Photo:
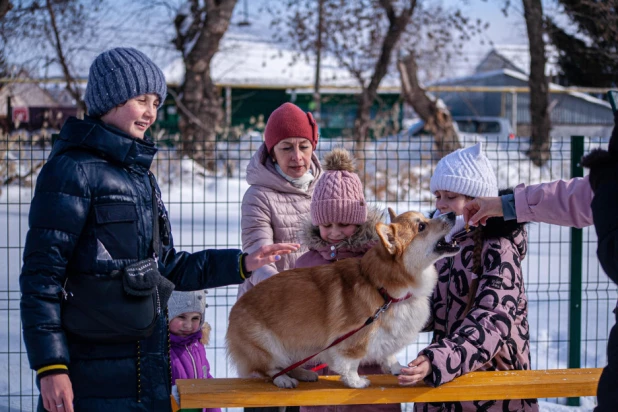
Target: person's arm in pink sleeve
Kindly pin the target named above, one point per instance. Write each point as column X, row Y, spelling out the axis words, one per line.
column 562, row 202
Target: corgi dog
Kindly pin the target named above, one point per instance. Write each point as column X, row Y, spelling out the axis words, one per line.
column 300, row 312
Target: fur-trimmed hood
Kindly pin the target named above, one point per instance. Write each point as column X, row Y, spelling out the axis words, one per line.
column 366, row 233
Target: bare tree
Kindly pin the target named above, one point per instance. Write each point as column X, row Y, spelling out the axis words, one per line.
column 199, row 31
column 363, row 36
column 397, row 24
column 437, row 118
column 5, row 6
column 54, row 35
column 434, row 36
column 317, row 97
column 55, row 29
column 587, row 42
column 538, row 83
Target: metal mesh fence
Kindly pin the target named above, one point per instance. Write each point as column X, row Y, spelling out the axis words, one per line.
column 204, row 208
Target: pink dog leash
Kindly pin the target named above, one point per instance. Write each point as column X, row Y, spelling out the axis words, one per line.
column 388, row 299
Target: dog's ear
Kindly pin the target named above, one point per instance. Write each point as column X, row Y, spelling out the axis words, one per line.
column 392, row 214
column 386, row 233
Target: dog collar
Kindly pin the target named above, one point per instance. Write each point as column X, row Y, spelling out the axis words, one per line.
column 389, row 299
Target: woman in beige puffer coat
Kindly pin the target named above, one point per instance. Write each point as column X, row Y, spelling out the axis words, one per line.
column 281, row 174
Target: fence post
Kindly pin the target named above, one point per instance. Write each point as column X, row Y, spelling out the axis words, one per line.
column 575, row 295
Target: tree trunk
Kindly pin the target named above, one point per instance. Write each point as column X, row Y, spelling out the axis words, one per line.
column 437, row 120
column 397, row 25
column 5, row 6
column 202, row 118
column 317, row 97
column 539, row 86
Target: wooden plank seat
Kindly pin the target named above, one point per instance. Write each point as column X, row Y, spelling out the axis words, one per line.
column 235, row 392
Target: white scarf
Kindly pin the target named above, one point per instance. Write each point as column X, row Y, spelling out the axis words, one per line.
column 301, row 183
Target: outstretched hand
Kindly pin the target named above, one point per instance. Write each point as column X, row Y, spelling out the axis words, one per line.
column 268, row 254
column 416, row 371
column 479, row 209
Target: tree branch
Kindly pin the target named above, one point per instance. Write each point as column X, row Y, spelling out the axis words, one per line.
column 71, row 86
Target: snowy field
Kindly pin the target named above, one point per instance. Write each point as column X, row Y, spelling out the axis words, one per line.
column 205, row 213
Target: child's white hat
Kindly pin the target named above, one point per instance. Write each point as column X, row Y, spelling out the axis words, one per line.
column 183, row 302
column 467, row 172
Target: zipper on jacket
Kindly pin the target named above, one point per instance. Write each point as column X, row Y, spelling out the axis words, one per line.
column 63, row 289
column 158, row 300
column 193, row 362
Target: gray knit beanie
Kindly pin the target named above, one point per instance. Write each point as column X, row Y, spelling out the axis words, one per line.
column 183, row 302
column 467, row 172
column 118, row 75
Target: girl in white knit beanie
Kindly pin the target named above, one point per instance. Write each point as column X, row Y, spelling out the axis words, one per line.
column 479, row 307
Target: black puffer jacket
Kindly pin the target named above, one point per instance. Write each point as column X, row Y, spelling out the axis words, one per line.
column 91, row 214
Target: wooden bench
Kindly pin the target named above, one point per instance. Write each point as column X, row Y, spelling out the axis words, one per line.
column 235, row 392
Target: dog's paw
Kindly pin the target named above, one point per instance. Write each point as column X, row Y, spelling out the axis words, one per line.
column 304, row 375
column 396, row 369
column 357, row 382
column 284, row 381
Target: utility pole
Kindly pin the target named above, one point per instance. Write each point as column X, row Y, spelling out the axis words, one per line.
column 318, row 57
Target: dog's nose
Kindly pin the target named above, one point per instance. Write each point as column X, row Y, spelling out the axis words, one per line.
column 451, row 216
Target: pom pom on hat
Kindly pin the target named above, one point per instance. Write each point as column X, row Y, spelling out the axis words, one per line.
column 338, row 195
column 118, row 75
column 184, row 302
column 288, row 120
column 467, row 172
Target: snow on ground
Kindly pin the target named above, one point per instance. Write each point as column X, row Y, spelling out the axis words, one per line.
column 205, row 213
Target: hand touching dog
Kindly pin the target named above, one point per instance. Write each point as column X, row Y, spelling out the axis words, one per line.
column 268, row 254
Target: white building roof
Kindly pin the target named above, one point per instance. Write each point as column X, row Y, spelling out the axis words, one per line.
column 519, row 56
column 247, row 61
column 524, row 78
column 25, row 95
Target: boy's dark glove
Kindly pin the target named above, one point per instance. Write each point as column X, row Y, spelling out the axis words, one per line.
column 603, row 164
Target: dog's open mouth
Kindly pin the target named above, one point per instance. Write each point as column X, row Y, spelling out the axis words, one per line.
column 446, row 247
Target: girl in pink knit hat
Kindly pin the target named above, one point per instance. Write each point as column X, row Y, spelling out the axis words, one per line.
column 341, row 227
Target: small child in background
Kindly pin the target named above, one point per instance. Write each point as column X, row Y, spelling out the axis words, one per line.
column 188, row 335
column 479, row 307
column 341, row 227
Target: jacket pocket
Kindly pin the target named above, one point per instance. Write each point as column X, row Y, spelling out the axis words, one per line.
column 116, row 231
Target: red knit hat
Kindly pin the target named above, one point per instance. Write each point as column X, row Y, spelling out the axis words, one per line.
column 288, row 120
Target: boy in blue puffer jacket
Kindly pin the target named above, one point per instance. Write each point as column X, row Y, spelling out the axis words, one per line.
column 93, row 214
